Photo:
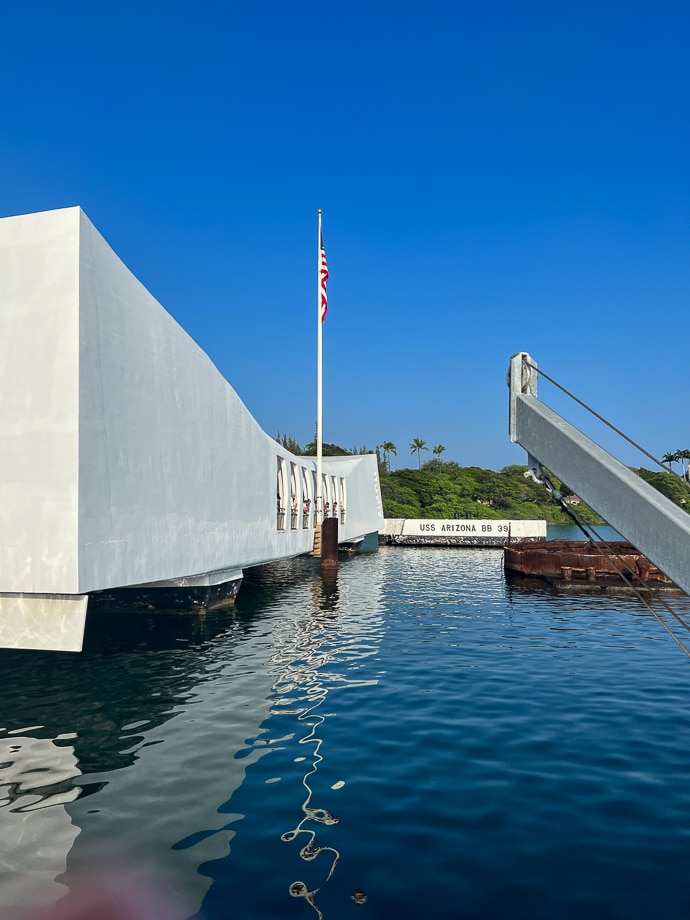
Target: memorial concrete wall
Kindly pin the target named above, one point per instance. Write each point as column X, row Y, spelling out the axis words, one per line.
column 125, row 456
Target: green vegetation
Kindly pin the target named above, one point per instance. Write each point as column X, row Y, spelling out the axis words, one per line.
column 443, row 489
column 669, row 485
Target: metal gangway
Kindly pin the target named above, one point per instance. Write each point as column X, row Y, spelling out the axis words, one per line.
column 651, row 522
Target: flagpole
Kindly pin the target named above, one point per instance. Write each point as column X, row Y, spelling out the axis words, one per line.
column 319, row 383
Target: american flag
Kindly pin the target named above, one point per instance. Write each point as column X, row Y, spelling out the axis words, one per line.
column 323, row 278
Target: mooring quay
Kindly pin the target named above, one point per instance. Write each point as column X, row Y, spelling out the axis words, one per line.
column 453, row 532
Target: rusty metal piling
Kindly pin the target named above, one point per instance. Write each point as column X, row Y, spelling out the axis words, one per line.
column 329, row 544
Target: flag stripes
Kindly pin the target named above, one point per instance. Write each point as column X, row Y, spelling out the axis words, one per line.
column 323, row 278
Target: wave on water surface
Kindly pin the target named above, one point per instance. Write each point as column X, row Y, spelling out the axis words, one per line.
column 416, row 736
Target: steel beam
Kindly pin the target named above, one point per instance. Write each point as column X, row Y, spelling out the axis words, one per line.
column 650, row 521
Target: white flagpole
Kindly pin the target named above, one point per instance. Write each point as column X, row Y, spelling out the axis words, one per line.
column 319, row 384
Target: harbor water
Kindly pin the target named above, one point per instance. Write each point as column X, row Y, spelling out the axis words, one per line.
column 418, row 737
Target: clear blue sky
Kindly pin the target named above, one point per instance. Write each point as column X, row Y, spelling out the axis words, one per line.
column 494, row 177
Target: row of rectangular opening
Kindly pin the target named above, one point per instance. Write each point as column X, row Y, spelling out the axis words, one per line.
column 298, row 505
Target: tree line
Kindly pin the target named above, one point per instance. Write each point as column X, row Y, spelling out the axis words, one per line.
column 417, row 445
column 383, row 451
column 444, row 489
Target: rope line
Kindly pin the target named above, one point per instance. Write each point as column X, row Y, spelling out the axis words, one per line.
column 601, row 418
column 613, row 558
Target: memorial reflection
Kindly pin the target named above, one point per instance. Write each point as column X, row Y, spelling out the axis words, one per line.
column 149, row 694
column 317, row 654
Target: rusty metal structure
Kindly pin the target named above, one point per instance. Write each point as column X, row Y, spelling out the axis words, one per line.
column 658, row 528
column 579, row 562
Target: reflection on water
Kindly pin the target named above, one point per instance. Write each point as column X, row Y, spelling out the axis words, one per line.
column 304, row 661
column 300, row 663
column 122, row 723
column 666, row 605
column 319, row 648
column 417, row 736
column 35, row 784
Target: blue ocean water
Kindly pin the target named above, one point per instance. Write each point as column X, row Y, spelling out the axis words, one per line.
column 418, row 737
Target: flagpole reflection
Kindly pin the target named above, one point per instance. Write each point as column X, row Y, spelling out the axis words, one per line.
column 313, row 656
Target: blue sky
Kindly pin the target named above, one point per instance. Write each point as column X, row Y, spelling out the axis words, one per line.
column 494, row 177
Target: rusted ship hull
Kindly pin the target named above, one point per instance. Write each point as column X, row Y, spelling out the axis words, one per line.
column 573, row 562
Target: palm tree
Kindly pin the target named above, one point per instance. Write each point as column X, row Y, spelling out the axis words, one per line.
column 388, row 448
column 670, row 458
column 416, row 447
column 684, row 456
column 437, row 451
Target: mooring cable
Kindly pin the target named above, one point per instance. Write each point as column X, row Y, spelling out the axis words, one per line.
column 597, row 543
column 607, row 423
column 612, row 557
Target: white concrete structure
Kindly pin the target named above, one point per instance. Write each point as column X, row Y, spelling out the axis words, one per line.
column 126, row 459
column 469, row 532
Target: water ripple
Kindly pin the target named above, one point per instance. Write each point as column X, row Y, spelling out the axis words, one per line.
column 417, row 736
